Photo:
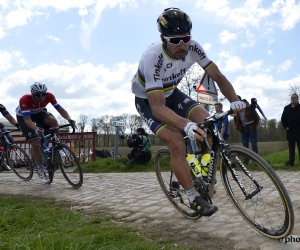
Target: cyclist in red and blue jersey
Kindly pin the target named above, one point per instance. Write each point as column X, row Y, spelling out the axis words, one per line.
column 166, row 109
column 31, row 111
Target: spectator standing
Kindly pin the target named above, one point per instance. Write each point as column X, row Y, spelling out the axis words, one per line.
column 223, row 126
column 249, row 133
column 290, row 120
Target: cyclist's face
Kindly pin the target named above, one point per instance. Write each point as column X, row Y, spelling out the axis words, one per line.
column 38, row 99
column 177, row 51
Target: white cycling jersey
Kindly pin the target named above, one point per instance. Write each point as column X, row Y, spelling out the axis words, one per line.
column 159, row 72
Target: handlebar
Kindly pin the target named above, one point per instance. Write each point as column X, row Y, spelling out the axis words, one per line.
column 52, row 130
column 7, row 131
column 220, row 116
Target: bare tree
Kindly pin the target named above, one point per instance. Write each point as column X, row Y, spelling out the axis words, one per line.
column 190, row 80
column 95, row 124
column 106, row 129
column 294, row 89
column 61, row 120
column 82, row 122
column 133, row 122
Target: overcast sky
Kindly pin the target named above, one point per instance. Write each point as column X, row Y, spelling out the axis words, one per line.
column 86, row 52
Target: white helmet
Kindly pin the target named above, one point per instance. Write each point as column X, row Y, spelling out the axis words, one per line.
column 38, row 87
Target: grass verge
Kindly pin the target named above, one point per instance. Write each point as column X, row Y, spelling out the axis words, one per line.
column 38, row 224
column 277, row 160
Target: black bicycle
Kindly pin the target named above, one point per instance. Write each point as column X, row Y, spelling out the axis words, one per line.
column 15, row 157
column 62, row 157
column 250, row 182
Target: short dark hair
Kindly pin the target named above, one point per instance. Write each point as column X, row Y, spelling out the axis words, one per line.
column 296, row 95
column 219, row 104
column 239, row 97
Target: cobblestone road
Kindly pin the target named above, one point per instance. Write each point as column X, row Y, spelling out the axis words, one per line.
column 137, row 197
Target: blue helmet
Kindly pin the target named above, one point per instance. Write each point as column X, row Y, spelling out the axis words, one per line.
column 174, row 21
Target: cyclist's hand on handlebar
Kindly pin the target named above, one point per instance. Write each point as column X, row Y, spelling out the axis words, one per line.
column 39, row 131
column 72, row 122
column 194, row 132
column 237, row 106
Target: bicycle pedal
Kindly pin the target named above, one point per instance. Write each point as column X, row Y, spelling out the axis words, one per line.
column 173, row 195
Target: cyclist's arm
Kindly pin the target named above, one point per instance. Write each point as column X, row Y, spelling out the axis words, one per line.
column 166, row 115
column 30, row 123
column 64, row 113
column 11, row 120
column 225, row 86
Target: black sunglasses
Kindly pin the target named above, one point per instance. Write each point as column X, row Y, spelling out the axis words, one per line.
column 40, row 94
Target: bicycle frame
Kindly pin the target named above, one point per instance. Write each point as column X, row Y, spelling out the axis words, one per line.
column 219, row 145
column 55, row 141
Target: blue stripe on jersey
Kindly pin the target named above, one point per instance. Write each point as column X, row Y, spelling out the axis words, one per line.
column 26, row 113
column 57, row 106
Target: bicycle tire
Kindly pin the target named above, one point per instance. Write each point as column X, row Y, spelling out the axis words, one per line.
column 170, row 185
column 270, row 211
column 69, row 165
column 19, row 162
column 48, row 166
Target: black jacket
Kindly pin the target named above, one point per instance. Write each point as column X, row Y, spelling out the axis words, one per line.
column 290, row 118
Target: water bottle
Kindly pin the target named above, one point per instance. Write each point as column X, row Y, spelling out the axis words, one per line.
column 194, row 164
column 48, row 151
column 205, row 159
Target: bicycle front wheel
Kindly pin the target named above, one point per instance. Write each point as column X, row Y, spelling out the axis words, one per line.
column 19, row 162
column 268, row 207
column 170, row 185
column 69, row 165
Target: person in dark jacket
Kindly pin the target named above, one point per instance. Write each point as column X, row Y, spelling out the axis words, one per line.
column 290, row 120
column 141, row 152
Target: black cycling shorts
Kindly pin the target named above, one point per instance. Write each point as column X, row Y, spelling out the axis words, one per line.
column 179, row 102
column 38, row 118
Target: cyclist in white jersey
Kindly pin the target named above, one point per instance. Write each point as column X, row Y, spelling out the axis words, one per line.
column 166, row 109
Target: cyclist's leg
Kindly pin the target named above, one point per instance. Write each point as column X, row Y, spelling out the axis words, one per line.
column 174, row 141
column 50, row 120
column 34, row 142
column 182, row 105
column 171, row 137
column 32, row 138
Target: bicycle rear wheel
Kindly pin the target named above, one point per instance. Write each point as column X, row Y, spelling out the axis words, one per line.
column 170, row 185
column 69, row 165
column 19, row 161
column 270, row 210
